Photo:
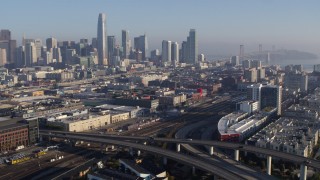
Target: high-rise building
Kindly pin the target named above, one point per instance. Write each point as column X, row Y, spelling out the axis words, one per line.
column 126, row 43
column 256, row 64
column 20, row 57
column 166, row 51
column 296, row 81
column 111, row 46
column 154, row 55
column 184, row 51
column 94, row 43
column 102, row 45
column 251, row 75
column 5, row 35
column 175, row 53
column 84, row 41
column 192, row 44
column 293, row 68
column 141, row 44
column 70, row 55
column 246, row 64
column 266, row 95
column 38, row 44
column 271, row 96
column 234, row 60
column 56, row 55
column 31, row 54
column 43, row 51
column 51, row 43
column 8, row 44
column 47, row 57
column 241, row 54
column 3, row 57
column 261, row 73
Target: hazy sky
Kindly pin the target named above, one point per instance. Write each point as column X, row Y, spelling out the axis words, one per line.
column 222, row 25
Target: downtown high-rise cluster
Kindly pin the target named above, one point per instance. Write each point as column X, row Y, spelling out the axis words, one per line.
column 103, row 51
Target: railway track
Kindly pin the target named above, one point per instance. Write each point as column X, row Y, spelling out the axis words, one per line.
column 32, row 166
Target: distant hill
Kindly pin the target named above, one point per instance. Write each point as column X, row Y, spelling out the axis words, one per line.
column 284, row 54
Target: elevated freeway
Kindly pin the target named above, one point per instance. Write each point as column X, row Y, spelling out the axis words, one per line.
column 192, row 161
column 303, row 161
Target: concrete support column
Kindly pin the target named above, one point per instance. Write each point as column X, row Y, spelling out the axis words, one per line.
column 236, row 154
column 269, row 164
column 165, row 160
column 178, row 147
column 211, row 151
column 245, row 152
column 303, row 172
column 193, row 171
column 138, row 153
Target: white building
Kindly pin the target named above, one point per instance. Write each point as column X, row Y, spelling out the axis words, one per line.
column 248, row 106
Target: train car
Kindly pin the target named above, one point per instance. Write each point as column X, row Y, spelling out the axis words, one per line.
column 20, row 160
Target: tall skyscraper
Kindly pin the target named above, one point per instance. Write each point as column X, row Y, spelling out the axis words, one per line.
column 234, row 60
column 5, row 35
column 51, row 43
column 241, row 54
column 31, row 54
column 94, row 43
column 20, row 57
column 251, row 75
column 126, row 43
column 8, row 44
column 141, row 44
column 56, row 54
column 174, row 53
column 184, row 51
column 166, row 51
column 70, row 55
column 38, row 44
column 193, row 46
column 111, row 47
column 3, row 57
column 47, row 57
column 102, row 45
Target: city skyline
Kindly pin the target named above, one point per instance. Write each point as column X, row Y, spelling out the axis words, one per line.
column 251, row 23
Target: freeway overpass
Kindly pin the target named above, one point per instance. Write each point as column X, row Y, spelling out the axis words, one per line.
column 303, row 161
column 192, row 161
